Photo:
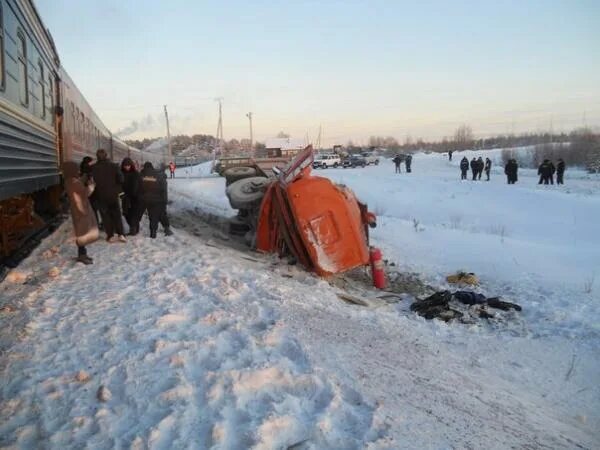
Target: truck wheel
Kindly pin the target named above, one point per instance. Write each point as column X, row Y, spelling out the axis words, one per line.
column 376, row 162
column 247, row 193
column 238, row 173
column 335, row 165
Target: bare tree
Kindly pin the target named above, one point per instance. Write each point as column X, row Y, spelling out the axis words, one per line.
column 463, row 137
column 281, row 134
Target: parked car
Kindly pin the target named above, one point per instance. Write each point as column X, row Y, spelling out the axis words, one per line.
column 370, row 158
column 354, row 161
column 326, row 160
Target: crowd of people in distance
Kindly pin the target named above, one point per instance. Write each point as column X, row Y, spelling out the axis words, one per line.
column 546, row 170
column 477, row 168
column 101, row 192
column 399, row 159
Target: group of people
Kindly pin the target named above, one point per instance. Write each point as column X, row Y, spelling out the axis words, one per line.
column 398, row 159
column 547, row 169
column 477, row 168
column 101, row 192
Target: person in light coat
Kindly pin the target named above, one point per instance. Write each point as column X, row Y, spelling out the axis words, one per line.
column 82, row 214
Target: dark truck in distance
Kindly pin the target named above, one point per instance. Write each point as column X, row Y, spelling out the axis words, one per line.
column 354, row 161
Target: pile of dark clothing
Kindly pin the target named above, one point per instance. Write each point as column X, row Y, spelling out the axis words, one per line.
column 442, row 305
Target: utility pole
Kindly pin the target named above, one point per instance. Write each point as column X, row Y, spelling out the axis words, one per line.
column 220, row 125
column 168, row 136
column 249, row 116
column 319, row 139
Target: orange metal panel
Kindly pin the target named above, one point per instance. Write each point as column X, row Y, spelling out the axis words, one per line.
column 330, row 224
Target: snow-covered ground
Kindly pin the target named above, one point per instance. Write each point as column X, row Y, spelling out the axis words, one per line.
column 204, row 345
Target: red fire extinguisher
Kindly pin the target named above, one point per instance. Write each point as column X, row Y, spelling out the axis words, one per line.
column 377, row 268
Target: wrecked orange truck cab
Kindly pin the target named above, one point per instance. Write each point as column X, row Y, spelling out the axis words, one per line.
column 319, row 223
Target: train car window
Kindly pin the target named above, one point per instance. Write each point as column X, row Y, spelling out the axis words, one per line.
column 42, row 89
column 73, row 127
column 82, row 129
column 23, row 81
column 1, row 49
column 51, row 94
column 77, row 125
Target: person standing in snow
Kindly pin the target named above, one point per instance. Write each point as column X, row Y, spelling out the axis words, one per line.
column 397, row 161
column 510, row 169
column 108, row 180
column 84, row 219
column 408, row 163
column 544, row 171
column 154, row 194
column 480, row 165
column 488, row 168
column 449, row 155
column 85, row 173
column 464, row 168
column 560, row 171
column 172, row 169
column 474, row 168
column 132, row 203
column 552, row 171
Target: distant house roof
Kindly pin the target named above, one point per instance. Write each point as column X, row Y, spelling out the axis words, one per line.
column 285, row 143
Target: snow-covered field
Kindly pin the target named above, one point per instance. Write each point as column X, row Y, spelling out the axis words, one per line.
column 203, row 345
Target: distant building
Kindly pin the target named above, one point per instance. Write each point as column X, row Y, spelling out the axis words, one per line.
column 282, row 147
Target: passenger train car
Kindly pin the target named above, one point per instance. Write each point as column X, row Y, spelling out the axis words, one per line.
column 44, row 120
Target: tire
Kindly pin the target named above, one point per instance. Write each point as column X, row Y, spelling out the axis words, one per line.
column 376, row 162
column 237, row 226
column 234, row 174
column 247, row 193
column 335, row 165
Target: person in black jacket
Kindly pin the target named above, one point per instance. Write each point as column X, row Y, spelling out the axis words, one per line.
column 154, row 195
column 474, row 168
column 544, row 171
column 397, row 161
column 408, row 163
column 552, row 171
column 510, row 169
column 464, row 168
column 488, row 168
column 480, row 165
column 108, row 180
column 560, row 171
column 131, row 201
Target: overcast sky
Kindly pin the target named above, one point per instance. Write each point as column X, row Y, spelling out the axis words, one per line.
column 358, row 68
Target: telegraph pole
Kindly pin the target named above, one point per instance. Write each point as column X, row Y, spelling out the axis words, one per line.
column 220, row 124
column 168, row 135
column 249, row 116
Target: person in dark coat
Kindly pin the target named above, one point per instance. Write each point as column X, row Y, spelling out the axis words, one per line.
column 133, row 206
column 552, row 171
column 84, row 219
column 397, row 161
column 510, row 169
column 109, row 182
column 154, row 195
column 560, row 171
column 544, row 171
column 85, row 173
column 474, row 168
column 408, row 163
column 488, row 168
column 464, row 168
column 449, row 155
column 480, row 165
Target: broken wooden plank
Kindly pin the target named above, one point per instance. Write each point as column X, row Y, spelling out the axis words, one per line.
column 352, row 299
